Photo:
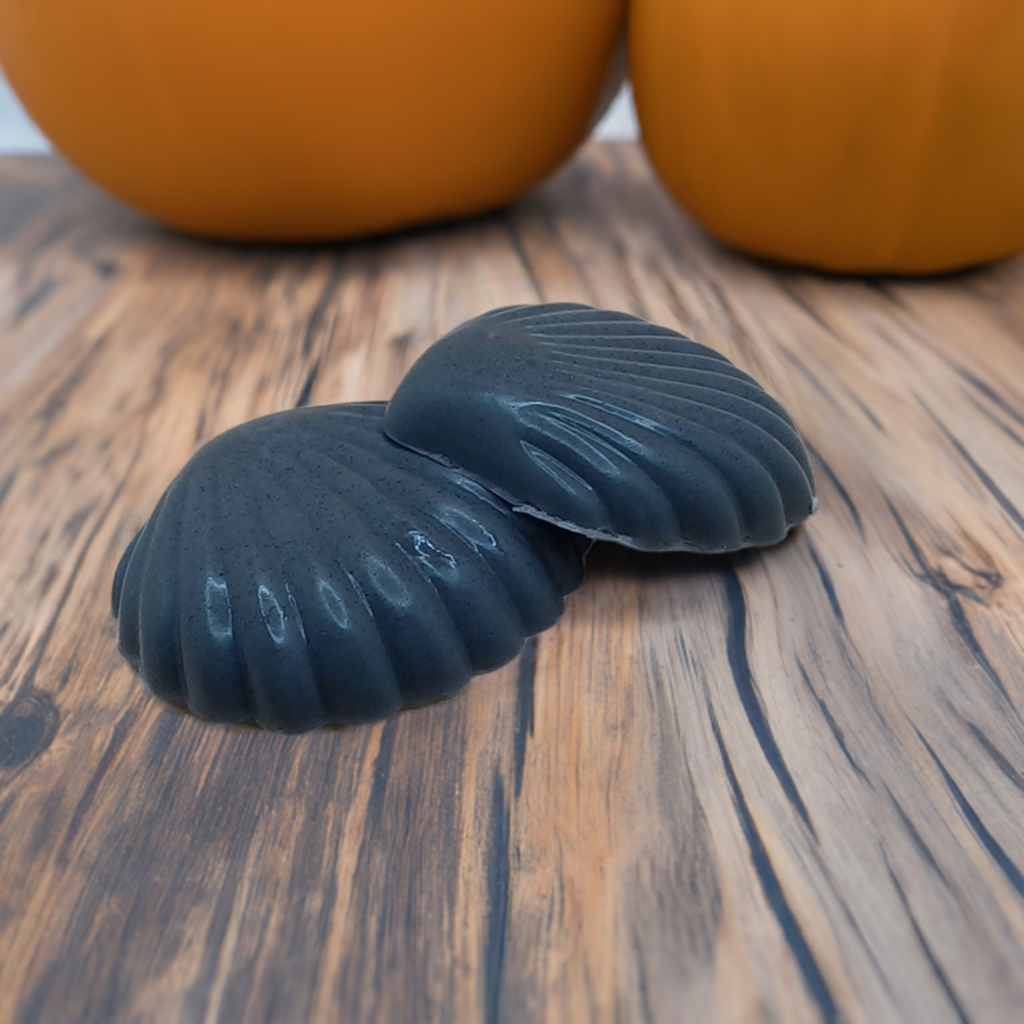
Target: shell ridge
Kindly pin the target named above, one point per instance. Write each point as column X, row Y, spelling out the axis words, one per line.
column 503, row 313
column 555, row 468
column 575, row 373
column 169, row 524
column 443, row 601
column 131, row 588
column 357, row 513
column 559, row 312
column 377, row 498
column 626, row 453
column 680, row 344
column 776, row 444
column 380, row 496
column 733, row 440
column 331, row 559
column 541, row 554
column 249, row 518
column 179, row 583
column 328, row 556
column 787, row 442
column 698, row 451
column 486, row 564
column 233, row 557
column 216, row 483
column 709, row 465
column 685, row 362
column 122, row 571
column 552, row 418
column 604, row 341
column 172, row 524
column 400, row 515
column 272, row 528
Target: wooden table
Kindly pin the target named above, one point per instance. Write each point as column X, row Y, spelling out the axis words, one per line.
column 786, row 786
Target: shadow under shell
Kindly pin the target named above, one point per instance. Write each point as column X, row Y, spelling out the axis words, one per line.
column 606, row 424
column 302, row 570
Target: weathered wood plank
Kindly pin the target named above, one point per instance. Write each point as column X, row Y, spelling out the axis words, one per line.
column 787, row 785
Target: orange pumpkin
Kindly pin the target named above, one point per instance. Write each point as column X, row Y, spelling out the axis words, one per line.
column 302, row 119
column 853, row 135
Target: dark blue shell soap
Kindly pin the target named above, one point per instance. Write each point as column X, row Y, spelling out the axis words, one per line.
column 606, row 424
column 302, row 569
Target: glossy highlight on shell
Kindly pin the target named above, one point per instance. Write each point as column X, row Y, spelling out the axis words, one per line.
column 303, row 570
column 608, row 425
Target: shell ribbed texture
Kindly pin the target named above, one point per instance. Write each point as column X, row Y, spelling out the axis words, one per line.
column 609, row 425
column 302, row 570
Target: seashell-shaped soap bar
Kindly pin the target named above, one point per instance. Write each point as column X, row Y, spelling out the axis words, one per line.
column 302, row 569
column 606, row 424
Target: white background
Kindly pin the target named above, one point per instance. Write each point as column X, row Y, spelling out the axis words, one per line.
column 19, row 135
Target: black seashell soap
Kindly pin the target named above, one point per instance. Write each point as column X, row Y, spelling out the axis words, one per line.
column 608, row 425
column 302, row 569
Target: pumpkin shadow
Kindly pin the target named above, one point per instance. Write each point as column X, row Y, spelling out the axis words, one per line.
column 962, row 276
column 367, row 244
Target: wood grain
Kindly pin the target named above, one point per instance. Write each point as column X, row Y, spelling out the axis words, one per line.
column 785, row 786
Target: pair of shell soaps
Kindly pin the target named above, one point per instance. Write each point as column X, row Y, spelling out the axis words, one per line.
column 334, row 564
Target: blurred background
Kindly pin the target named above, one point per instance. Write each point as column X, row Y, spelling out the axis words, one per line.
column 17, row 132
column 19, row 135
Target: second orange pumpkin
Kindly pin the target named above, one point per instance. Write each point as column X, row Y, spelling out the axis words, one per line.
column 853, row 135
